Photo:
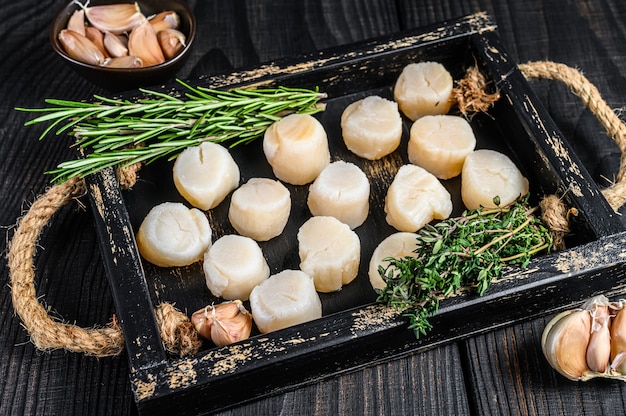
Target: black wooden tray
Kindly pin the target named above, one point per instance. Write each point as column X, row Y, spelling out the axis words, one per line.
column 355, row 331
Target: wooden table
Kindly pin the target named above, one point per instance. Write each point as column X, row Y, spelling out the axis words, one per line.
column 499, row 372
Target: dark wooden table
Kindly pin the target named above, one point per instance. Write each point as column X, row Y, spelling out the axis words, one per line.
column 499, row 372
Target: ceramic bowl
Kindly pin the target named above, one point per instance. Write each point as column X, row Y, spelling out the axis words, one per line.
column 121, row 79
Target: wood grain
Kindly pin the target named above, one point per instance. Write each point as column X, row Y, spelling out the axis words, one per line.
column 501, row 372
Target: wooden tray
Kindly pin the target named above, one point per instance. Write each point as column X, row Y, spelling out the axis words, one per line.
column 355, row 331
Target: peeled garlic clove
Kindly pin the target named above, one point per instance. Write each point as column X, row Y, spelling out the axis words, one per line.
column 114, row 45
column 115, row 18
column 97, row 38
column 143, row 43
column 564, row 343
column 123, row 62
column 223, row 324
column 165, row 20
column 80, row 48
column 77, row 22
column 618, row 342
column 171, row 42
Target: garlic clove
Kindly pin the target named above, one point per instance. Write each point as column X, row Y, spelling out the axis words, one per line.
column 97, row 38
column 80, row 48
column 564, row 343
column 171, row 42
column 223, row 324
column 618, row 342
column 165, row 20
column 143, row 43
column 127, row 61
column 76, row 22
column 599, row 348
column 115, row 18
column 114, row 45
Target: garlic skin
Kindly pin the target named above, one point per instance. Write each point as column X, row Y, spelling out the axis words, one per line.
column 80, row 48
column 599, row 347
column 143, row 43
column 223, row 324
column 618, row 342
column 165, row 20
column 588, row 342
column 171, row 42
column 115, row 18
column 565, row 343
column 77, row 22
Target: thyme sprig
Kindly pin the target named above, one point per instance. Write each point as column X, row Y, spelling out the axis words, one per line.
column 123, row 132
column 468, row 251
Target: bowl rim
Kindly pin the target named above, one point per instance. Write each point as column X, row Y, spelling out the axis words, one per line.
column 65, row 12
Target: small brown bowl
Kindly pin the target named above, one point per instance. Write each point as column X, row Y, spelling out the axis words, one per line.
column 121, row 79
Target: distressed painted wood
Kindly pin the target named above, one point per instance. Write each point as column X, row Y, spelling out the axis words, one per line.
column 503, row 369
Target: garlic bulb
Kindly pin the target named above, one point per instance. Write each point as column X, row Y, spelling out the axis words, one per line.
column 588, row 342
column 223, row 324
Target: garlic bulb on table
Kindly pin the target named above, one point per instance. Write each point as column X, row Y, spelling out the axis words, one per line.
column 588, row 342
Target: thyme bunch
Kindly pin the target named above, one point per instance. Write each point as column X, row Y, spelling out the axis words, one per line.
column 123, row 132
column 468, row 251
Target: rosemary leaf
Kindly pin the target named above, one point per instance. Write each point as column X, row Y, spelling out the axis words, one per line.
column 122, row 132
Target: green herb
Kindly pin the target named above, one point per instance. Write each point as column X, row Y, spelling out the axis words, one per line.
column 468, row 251
column 123, row 132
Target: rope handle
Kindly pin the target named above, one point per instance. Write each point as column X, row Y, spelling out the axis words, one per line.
column 179, row 336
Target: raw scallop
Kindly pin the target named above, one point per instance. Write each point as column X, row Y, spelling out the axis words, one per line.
column 397, row 245
column 296, row 147
column 423, row 88
column 488, row 174
column 173, row 235
column 342, row 191
column 205, row 174
column 414, row 198
column 329, row 251
column 371, row 127
column 233, row 266
column 285, row 299
column 260, row 208
column 440, row 144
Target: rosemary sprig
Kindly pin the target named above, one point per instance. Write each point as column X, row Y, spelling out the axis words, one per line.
column 123, row 132
column 468, row 251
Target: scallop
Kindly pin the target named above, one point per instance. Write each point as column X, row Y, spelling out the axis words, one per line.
column 398, row 245
column 488, row 175
column 260, row 208
column 233, row 266
column 414, row 198
column 285, row 299
column 342, row 191
column 296, row 147
column 204, row 175
column 329, row 251
column 371, row 127
column 423, row 88
column 173, row 235
column 440, row 144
